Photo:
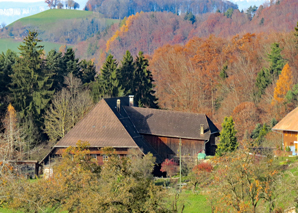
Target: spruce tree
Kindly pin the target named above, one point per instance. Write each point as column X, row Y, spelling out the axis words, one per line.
column 70, row 63
column 31, row 86
column 87, row 71
column 143, row 83
column 227, row 138
column 54, row 64
column 276, row 61
column 110, row 78
column 127, row 72
column 6, row 62
column 262, row 81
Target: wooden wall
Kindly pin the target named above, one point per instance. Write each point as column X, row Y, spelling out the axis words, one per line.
column 94, row 152
column 289, row 138
column 168, row 147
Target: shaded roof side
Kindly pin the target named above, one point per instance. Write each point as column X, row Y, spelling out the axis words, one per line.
column 289, row 122
column 101, row 128
column 170, row 123
column 130, row 127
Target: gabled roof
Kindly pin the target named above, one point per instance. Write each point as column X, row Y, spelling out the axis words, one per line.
column 170, row 123
column 101, row 128
column 105, row 126
column 288, row 123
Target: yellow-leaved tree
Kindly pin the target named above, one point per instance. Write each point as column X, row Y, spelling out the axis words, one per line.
column 283, row 85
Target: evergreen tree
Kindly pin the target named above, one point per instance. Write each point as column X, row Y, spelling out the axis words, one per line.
column 262, row 133
column 190, row 17
column 255, row 133
column 110, row 78
column 70, row 63
column 87, row 71
column 127, row 73
column 229, row 13
column 296, row 35
column 143, row 83
column 6, row 62
column 276, row 61
column 55, row 66
column 227, row 138
column 262, row 81
column 223, row 73
column 292, row 95
column 31, row 87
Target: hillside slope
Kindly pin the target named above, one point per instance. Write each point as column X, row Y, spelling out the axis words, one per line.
column 63, row 26
column 148, row 31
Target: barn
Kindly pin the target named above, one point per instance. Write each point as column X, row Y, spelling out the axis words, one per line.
column 117, row 123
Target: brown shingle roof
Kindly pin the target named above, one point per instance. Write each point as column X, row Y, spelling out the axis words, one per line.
column 170, row 123
column 101, row 128
column 289, row 122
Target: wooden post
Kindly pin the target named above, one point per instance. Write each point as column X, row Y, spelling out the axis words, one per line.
column 180, row 144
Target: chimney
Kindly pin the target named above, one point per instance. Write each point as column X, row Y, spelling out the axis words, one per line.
column 131, row 100
column 118, row 105
column 202, row 129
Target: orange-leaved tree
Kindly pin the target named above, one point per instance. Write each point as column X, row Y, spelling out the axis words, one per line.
column 283, row 85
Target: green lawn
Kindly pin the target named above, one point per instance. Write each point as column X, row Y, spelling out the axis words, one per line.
column 6, row 44
column 193, row 202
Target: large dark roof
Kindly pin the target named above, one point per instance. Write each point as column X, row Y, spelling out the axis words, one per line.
column 170, row 123
column 101, row 128
column 107, row 126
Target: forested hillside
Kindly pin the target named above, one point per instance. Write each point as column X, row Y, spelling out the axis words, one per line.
column 148, row 31
column 119, row 9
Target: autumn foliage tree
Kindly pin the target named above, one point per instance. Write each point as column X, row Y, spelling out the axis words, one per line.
column 245, row 182
column 283, row 85
column 170, row 167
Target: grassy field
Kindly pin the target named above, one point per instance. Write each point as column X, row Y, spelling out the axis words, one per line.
column 50, row 18
column 193, row 202
column 6, row 44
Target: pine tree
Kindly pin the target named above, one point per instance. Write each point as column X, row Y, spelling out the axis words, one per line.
column 127, row 73
column 31, row 87
column 227, row 138
column 143, row 83
column 283, row 85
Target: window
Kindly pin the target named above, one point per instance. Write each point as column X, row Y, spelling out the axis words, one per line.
column 105, row 157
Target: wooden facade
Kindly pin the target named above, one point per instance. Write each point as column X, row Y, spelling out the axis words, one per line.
column 289, row 139
column 96, row 153
column 168, row 147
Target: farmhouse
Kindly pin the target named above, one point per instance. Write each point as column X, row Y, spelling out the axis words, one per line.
column 288, row 126
column 115, row 122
